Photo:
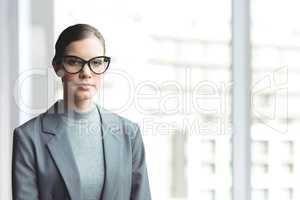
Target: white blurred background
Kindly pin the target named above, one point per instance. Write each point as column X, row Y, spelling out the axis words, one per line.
column 171, row 72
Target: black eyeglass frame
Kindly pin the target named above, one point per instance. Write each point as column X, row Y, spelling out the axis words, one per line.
column 85, row 62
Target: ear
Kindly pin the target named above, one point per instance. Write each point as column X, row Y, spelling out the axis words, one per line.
column 58, row 70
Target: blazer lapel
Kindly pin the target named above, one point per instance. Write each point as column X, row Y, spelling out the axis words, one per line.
column 60, row 149
column 112, row 153
column 61, row 152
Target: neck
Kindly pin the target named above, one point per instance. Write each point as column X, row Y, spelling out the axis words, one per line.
column 78, row 105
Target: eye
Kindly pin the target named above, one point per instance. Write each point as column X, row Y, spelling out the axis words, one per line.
column 73, row 61
column 97, row 62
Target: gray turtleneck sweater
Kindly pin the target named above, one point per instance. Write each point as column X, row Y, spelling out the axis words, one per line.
column 84, row 133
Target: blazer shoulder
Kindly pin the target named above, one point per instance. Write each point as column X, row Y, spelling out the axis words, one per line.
column 130, row 127
column 116, row 116
column 34, row 125
column 30, row 127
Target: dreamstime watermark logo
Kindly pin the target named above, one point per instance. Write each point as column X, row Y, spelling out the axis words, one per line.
column 195, row 107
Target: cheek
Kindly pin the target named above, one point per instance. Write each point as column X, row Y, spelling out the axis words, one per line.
column 69, row 77
column 97, row 80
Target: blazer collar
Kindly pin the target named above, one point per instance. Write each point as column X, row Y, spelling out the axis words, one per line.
column 60, row 149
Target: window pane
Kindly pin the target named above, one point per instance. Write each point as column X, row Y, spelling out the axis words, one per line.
column 275, row 91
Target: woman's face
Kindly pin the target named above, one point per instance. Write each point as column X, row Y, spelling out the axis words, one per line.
column 85, row 84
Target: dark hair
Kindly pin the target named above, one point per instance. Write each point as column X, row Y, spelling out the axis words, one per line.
column 74, row 33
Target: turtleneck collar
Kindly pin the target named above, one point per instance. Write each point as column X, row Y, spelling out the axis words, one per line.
column 72, row 114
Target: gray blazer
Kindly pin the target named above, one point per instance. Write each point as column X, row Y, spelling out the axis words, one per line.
column 43, row 166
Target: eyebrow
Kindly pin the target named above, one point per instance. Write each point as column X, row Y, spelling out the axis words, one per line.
column 82, row 58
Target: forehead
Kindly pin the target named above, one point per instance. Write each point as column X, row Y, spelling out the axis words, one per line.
column 85, row 48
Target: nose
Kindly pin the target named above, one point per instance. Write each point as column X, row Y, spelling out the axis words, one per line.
column 86, row 72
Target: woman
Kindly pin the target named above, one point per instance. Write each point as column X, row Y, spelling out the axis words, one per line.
column 77, row 150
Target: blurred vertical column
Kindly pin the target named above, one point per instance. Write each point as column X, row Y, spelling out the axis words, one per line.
column 23, row 84
column 9, row 68
column 179, row 182
column 44, row 79
column 34, row 87
column 18, row 70
column 241, row 99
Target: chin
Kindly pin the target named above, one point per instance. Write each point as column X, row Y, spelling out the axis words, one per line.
column 84, row 95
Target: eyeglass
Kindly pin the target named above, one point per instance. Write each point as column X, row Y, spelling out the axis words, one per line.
column 74, row 64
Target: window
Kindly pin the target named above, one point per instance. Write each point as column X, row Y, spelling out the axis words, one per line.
column 275, row 42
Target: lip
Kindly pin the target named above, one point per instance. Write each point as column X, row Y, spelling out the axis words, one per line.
column 84, row 86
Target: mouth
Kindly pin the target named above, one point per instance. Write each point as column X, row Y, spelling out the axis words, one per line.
column 84, row 86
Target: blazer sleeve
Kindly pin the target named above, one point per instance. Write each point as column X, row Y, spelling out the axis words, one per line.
column 140, row 188
column 24, row 177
